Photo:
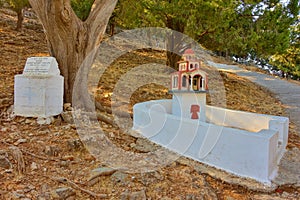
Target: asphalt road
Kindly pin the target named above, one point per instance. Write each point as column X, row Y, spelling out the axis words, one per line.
column 288, row 93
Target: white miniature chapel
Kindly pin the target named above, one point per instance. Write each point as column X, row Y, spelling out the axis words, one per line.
column 189, row 88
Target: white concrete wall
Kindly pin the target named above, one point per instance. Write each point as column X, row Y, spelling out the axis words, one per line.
column 241, row 152
column 252, row 122
column 38, row 97
column 182, row 102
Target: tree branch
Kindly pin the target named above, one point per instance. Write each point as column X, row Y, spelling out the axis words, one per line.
column 98, row 19
column 61, row 8
column 75, row 186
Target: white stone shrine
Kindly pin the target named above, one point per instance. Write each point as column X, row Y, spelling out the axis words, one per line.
column 38, row 92
column 243, row 143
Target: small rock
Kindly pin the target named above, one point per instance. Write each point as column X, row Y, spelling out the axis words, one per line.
column 63, row 193
column 119, row 177
column 111, row 134
column 190, row 197
column 33, row 166
column 51, row 151
column 134, row 134
column 10, row 109
column 17, row 195
column 68, row 107
column 14, row 135
column 44, row 196
column 102, row 171
column 68, row 158
column 44, row 188
column 43, row 121
column 158, row 176
column 96, row 173
column 4, row 129
column 20, row 141
column 141, row 195
column 28, row 188
column 29, row 121
column 8, row 171
column 5, row 163
column 285, row 194
column 144, row 145
column 132, row 145
column 124, row 195
column 67, row 117
column 105, row 126
column 3, row 153
column 64, row 163
column 57, row 121
column 89, row 157
column 75, row 144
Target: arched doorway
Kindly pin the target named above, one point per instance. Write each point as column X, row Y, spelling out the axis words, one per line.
column 197, row 82
column 184, row 81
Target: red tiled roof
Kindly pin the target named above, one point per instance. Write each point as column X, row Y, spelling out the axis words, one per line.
column 189, row 51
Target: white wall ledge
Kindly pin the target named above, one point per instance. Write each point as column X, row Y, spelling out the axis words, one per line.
column 227, row 140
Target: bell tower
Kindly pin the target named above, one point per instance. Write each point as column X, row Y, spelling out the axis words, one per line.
column 189, row 87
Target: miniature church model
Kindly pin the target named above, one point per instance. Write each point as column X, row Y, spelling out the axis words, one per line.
column 189, row 77
column 189, row 87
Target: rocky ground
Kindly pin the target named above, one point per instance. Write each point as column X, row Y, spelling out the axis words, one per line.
column 40, row 161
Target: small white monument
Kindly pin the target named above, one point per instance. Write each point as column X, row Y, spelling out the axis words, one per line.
column 246, row 144
column 39, row 90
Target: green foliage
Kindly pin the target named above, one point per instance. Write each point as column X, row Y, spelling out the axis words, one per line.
column 234, row 27
column 82, row 8
column 289, row 61
column 17, row 5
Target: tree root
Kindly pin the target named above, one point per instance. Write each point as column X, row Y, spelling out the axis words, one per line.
column 101, row 117
column 15, row 150
column 19, row 159
column 75, row 186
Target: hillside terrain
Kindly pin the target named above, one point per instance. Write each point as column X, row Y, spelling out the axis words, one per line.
column 40, row 161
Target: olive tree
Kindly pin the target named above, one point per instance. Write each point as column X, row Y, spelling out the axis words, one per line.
column 70, row 39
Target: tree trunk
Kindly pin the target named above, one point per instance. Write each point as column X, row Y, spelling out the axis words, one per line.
column 112, row 29
column 20, row 19
column 175, row 47
column 172, row 59
column 175, row 43
column 71, row 40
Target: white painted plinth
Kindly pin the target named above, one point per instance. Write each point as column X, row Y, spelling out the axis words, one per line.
column 246, row 144
column 183, row 100
column 38, row 96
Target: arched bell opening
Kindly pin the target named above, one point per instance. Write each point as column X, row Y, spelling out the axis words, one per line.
column 197, row 83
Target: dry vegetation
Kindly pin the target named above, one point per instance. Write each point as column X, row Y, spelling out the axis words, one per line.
column 46, row 152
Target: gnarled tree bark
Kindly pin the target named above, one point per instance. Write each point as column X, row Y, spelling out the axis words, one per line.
column 71, row 40
column 20, row 19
